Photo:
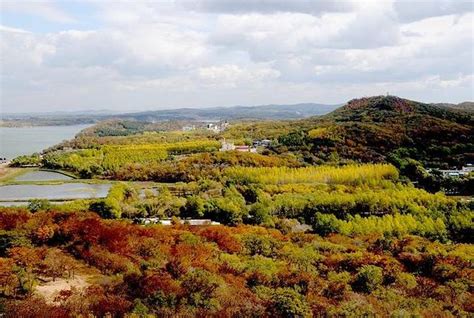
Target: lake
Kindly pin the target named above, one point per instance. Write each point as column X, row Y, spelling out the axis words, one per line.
column 18, row 141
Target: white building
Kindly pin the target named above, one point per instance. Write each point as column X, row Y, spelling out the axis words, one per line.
column 464, row 171
column 227, row 146
column 189, row 128
column 246, row 149
column 218, row 127
column 194, row 222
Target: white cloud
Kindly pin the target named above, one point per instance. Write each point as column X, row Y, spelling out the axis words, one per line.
column 235, row 76
column 162, row 54
column 269, row 6
column 409, row 11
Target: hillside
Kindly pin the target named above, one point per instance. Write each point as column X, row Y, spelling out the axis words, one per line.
column 391, row 109
column 382, row 128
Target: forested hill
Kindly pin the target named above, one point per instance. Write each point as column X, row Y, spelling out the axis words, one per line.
column 396, row 109
column 382, row 128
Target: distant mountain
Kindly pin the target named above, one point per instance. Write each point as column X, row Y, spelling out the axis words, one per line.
column 63, row 113
column 232, row 113
column 465, row 106
column 263, row 112
column 56, row 118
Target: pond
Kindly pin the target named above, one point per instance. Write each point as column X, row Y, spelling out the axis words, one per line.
column 40, row 175
column 65, row 191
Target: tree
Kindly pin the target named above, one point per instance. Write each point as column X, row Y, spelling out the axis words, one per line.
column 9, row 282
column 325, row 224
column 260, row 213
column 194, row 207
column 368, row 278
column 111, row 206
column 45, row 233
column 461, row 226
column 9, row 239
column 200, row 286
column 287, row 302
column 22, row 161
column 35, row 205
column 229, row 209
column 338, row 284
column 54, row 265
column 405, row 281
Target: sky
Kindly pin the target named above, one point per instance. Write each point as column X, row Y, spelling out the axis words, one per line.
column 145, row 55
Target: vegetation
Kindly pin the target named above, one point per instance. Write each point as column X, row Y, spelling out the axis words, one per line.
column 25, row 161
column 226, row 271
column 351, row 174
column 323, row 221
column 108, row 159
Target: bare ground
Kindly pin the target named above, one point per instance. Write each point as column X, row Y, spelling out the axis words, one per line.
column 84, row 276
column 52, row 288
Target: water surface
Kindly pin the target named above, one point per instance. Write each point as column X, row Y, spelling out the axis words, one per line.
column 40, row 175
column 16, row 141
column 65, row 191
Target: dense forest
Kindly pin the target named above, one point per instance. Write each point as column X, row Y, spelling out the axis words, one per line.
column 342, row 215
column 217, row 271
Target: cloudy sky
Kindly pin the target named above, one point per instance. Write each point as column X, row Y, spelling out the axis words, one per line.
column 137, row 55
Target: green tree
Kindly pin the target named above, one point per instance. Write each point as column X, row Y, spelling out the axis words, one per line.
column 287, row 302
column 194, row 207
column 35, row 205
column 368, row 278
column 200, row 285
column 325, row 224
column 260, row 213
column 461, row 226
column 229, row 209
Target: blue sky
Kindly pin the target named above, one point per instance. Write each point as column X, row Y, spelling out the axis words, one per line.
column 54, row 17
column 137, row 55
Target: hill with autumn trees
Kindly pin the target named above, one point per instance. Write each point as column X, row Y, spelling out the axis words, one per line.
column 411, row 135
column 380, row 128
